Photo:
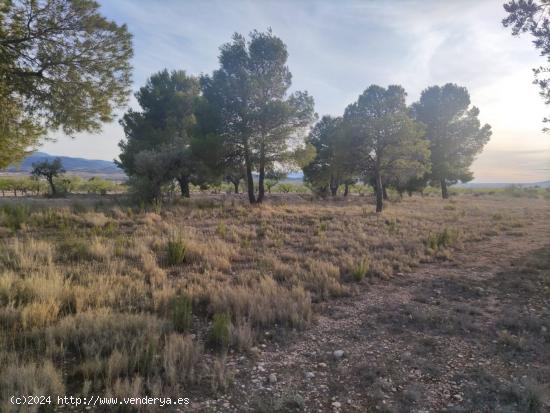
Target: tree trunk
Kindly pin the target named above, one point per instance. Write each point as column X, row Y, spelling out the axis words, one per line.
column 444, row 191
column 236, row 185
column 261, row 189
column 52, row 186
column 261, row 177
column 249, row 177
column 184, row 186
column 379, row 193
column 346, row 189
column 333, row 186
column 384, row 193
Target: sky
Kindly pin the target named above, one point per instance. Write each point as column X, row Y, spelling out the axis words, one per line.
column 338, row 48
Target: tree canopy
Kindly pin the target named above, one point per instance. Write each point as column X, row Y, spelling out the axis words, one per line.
column 158, row 138
column 453, row 130
column 384, row 138
column 533, row 16
column 258, row 121
column 334, row 162
column 62, row 65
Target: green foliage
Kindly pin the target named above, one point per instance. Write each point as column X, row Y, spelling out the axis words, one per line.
column 14, row 216
column 249, row 106
column 69, row 65
column 453, row 130
column 220, row 333
column 361, row 269
column 49, row 170
column 386, row 141
column 157, row 148
column 175, row 251
column 73, row 250
column 334, row 160
column 532, row 16
column 18, row 133
column 182, row 313
column 445, row 238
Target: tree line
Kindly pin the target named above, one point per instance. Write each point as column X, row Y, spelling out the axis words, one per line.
column 241, row 120
column 64, row 66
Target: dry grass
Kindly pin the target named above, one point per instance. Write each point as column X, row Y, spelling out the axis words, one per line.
column 98, row 288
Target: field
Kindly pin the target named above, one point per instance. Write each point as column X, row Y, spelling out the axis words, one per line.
column 435, row 306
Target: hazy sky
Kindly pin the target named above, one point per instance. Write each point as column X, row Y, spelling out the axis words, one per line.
column 338, row 48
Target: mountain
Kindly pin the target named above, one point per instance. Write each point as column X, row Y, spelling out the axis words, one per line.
column 496, row 185
column 77, row 166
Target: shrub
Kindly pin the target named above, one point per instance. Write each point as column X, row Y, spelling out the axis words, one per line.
column 175, row 251
column 28, row 379
column 445, row 238
column 181, row 357
column 74, row 250
column 182, row 313
column 361, row 269
column 220, row 334
column 15, row 216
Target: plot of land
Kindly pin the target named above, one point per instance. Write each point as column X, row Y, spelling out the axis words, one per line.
column 435, row 306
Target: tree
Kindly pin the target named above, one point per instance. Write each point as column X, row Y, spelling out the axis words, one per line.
column 17, row 133
column 234, row 175
column 384, row 137
column 48, row 170
column 258, row 121
column 164, row 125
column 454, row 132
column 273, row 177
column 334, row 163
column 533, row 16
column 62, row 63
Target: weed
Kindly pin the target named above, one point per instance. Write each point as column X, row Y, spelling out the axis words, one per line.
column 175, row 251
column 182, row 313
column 15, row 216
column 220, row 333
column 361, row 269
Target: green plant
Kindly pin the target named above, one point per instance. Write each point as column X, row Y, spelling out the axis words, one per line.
column 175, row 251
column 74, row 250
column 15, row 216
column 220, row 334
column 445, row 238
column 361, row 270
column 182, row 313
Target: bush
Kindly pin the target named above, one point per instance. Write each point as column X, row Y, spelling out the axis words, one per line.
column 445, row 238
column 175, row 251
column 220, row 334
column 182, row 313
column 361, row 270
column 74, row 250
column 14, row 216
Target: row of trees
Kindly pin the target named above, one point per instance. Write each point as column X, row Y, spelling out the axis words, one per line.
column 52, row 172
column 242, row 120
column 381, row 140
column 233, row 123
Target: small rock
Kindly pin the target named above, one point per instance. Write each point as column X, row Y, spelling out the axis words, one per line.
column 338, row 354
column 336, row 405
column 310, row 375
column 273, row 378
column 323, row 365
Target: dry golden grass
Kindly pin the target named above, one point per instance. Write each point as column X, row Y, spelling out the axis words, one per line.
column 96, row 287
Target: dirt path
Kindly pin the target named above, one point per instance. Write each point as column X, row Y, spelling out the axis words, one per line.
column 466, row 335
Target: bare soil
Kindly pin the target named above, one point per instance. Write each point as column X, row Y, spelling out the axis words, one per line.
column 468, row 334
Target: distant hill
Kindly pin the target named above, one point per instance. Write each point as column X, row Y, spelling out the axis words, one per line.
column 76, row 166
column 474, row 185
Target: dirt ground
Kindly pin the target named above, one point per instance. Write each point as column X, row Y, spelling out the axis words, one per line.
column 469, row 334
